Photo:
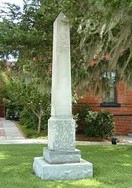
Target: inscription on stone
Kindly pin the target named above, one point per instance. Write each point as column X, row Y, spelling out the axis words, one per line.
column 63, row 44
column 64, row 141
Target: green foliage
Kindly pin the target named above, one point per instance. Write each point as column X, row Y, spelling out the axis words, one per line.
column 31, row 34
column 45, row 117
column 28, row 122
column 97, row 29
column 26, row 97
column 91, row 124
column 100, row 27
column 28, row 119
column 82, row 110
column 100, row 124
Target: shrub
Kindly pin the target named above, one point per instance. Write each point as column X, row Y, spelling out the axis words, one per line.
column 106, row 124
column 91, row 123
column 99, row 124
column 29, row 122
column 45, row 118
column 31, row 133
column 81, row 111
column 28, row 119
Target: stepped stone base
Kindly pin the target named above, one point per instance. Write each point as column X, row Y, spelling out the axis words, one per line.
column 65, row 171
column 58, row 157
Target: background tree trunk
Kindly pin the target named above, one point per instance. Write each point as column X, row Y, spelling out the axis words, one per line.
column 39, row 123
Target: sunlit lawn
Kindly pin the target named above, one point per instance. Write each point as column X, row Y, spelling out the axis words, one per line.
column 112, row 167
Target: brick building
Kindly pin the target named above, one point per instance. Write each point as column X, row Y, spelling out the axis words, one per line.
column 119, row 103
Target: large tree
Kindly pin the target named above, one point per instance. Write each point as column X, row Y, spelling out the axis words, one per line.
column 97, row 34
column 105, row 38
column 101, row 42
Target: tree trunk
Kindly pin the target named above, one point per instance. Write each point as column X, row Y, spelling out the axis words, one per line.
column 39, row 123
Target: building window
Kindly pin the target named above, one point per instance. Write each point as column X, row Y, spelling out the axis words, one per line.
column 109, row 95
column 109, row 92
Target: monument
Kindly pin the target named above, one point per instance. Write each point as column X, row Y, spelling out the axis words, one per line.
column 61, row 160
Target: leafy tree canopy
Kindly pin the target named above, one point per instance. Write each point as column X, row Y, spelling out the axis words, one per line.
column 101, row 32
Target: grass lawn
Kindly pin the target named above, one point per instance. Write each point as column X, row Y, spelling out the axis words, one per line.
column 112, row 167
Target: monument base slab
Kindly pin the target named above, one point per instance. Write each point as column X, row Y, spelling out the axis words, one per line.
column 65, row 171
column 58, row 157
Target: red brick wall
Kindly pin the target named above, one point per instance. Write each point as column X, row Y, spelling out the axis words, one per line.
column 123, row 124
column 122, row 114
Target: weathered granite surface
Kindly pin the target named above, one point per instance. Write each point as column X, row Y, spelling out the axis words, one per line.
column 56, row 157
column 61, row 134
column 61, row 96
column 48, row 171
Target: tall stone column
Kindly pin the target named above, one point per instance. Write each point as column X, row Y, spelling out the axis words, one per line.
column 61, row 160
column 61, row 101
column 61, row 126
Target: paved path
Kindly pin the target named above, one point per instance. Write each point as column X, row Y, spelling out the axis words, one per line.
column 9, row 130
column 11, row 134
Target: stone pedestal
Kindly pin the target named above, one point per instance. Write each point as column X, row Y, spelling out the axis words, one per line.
column 61, row 134
column 47, row 171
column 61, row 142
column 61, row 160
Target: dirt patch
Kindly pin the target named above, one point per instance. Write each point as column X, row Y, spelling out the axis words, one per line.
column 82, row 137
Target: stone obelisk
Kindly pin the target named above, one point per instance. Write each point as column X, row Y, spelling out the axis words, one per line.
column 61, row 160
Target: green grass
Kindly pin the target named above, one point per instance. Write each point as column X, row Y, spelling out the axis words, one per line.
column 112, row 167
